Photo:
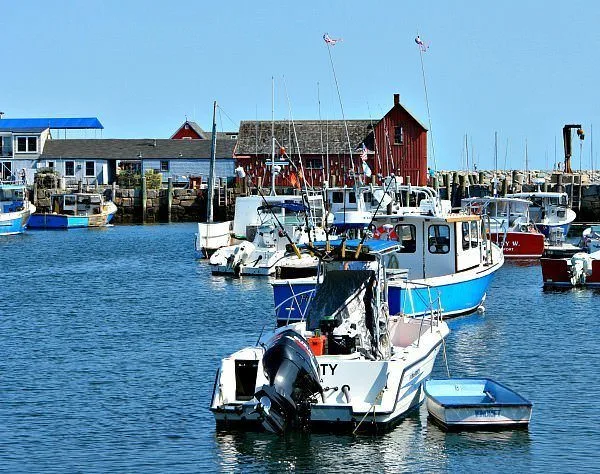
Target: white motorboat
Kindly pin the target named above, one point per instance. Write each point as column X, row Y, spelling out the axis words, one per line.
column 548, row 210
column 348, row 366
column 271, row 224
column 15, row 208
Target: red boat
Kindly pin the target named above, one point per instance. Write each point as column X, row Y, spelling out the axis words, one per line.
column 509, row 224
column 528, row 244
column 582, row 269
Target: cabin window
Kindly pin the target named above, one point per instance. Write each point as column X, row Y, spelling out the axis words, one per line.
column 466, row 238
column 368, row 197
column 337, row 197
column 69, row 168
column 27, row 144
column 439, row 239
column 70, row 200
column 407, row 236
column 164, row 165
column 398, row 135
column 90, row 168
column 50, row 164
column 474, row 236
column 352, row 197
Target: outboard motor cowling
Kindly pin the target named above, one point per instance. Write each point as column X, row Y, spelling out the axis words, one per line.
column 293, row 375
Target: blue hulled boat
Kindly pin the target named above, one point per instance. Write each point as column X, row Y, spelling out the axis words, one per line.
column 15, row 208
column 445, row 263
column 75, row 210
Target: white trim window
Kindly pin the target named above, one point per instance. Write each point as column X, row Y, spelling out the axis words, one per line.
column 27, row 144
column 69, row 168
column 164, row 165
column 90, row 169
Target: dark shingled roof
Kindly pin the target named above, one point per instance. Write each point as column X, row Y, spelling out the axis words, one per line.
column 130, row 149
column 255, row 137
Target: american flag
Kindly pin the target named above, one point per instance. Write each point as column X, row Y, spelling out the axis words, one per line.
column 363, row 153
column 329, row 40
column 422, row 46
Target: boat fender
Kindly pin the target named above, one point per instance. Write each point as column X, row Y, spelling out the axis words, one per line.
column 346, row 392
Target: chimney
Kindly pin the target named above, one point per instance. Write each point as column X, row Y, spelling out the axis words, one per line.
column 396, row 99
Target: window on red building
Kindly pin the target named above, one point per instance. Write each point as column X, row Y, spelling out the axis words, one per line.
column 398, row 135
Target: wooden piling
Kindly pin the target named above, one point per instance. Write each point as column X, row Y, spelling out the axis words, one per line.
column 169, row 198
column 505, row 186
column 481, row 177
column 448, row 186
column 144, row 199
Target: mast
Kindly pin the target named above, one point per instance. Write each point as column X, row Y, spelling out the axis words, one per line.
column 272, row 136
column 211, row 174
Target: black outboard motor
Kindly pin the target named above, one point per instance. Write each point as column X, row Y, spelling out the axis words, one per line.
column 293, row 376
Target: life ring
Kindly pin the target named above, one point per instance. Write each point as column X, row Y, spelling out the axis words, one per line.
column 381, row 233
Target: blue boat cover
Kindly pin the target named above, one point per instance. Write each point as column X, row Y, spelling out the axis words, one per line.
column 290, row 206
column 55, row 123
column 372, row 246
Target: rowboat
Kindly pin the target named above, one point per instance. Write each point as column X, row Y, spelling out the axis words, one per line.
column 476, row 404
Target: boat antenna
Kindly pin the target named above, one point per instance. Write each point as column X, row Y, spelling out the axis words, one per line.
column 362, row 240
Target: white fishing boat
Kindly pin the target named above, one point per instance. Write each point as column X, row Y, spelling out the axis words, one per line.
column 15, row 208
column 271, row 224
column 476, row 404
column 590, row 239
column 548, row 210
column 348, row 366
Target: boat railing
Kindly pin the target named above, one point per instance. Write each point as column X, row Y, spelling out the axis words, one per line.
column 297, row 301
column 434, row 311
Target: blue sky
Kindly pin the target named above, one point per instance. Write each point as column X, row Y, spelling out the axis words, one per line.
column 521, row 68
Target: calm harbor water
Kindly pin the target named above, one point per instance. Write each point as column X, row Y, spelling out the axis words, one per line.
column 110, row 338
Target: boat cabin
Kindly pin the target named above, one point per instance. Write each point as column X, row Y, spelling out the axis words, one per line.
column 77, row 204
column 12, row 197
column 504, row 214
column 545, row 205
column 435, row 246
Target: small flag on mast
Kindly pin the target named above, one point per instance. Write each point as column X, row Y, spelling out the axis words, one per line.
column 329, row 40
column 422, row 46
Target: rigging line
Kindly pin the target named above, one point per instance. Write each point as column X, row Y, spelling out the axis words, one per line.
column 342, row 108
column 428, row 112
column 389, row 152
column 225, row 113
column 296, row 137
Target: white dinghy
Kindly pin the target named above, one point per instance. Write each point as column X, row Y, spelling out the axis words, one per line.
column 348, row 366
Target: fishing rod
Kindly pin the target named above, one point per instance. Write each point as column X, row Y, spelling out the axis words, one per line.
column 362, row 240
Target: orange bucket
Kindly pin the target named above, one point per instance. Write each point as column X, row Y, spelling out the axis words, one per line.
column 317, row 344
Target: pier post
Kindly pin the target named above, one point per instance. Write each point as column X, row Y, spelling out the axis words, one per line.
column 481, row 177
column 407, row 196
column 79, row 186
column 505, row 186
column 169, row 198
column 559, row 183
column 545, row 186
column 144, row 198
column 436, row 184
column 514, row 181
column 448, row 186
column 463, row 187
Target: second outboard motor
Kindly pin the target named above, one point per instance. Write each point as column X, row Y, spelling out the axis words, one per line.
column 293, row 376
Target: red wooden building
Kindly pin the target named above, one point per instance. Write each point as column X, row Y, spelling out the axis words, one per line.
column 397, row 144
